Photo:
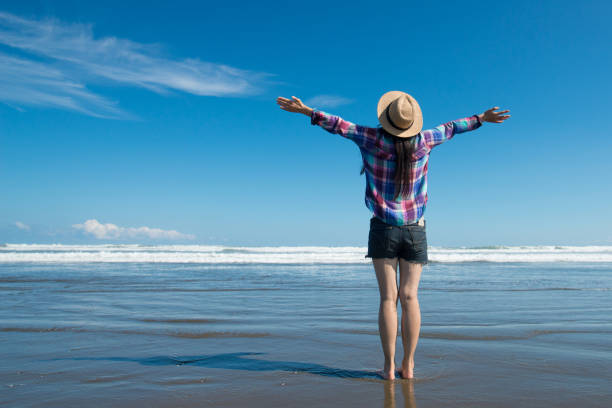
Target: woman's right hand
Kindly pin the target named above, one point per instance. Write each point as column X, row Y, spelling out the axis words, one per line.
column 293, row 105
column 493, row 117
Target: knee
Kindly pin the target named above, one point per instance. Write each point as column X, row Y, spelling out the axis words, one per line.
column 388, row 300
column 407, row 297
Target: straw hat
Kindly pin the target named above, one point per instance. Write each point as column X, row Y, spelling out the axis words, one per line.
column 400, row 114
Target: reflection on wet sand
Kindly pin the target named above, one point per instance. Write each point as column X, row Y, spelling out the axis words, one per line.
column 407, row 387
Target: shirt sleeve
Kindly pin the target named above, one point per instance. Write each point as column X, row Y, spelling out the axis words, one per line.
column 363, row 136
column 442, row 133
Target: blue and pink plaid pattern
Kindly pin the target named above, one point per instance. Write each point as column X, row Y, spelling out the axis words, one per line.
column 378, row 152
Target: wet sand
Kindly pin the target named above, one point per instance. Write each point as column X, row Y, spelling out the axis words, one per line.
column 115, row 335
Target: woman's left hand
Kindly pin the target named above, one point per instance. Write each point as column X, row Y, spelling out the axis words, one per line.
column 293, row 105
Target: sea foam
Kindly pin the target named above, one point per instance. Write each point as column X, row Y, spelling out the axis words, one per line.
column 218, row 254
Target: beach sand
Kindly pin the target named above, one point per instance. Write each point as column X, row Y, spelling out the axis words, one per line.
column 125, row 335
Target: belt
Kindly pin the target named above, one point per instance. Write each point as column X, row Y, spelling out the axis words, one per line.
column 420, row 222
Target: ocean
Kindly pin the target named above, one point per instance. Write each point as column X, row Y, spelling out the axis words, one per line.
column 222, row 326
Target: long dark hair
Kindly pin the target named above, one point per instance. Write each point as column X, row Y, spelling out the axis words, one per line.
column 404, row 148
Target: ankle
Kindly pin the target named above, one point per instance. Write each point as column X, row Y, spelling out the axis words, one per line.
column 389, row 365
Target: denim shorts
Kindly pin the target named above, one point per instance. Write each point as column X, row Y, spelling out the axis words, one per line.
column 390, row 241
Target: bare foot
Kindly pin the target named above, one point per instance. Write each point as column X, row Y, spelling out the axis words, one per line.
column 387, row 374
column 407, row 369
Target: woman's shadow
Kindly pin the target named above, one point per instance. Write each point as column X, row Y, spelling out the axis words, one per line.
column 240, row 361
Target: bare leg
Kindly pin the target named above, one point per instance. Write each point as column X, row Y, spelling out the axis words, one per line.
column 386, row 270
column 410, row 274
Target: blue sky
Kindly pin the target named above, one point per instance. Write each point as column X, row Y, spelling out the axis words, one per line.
column 161, row 120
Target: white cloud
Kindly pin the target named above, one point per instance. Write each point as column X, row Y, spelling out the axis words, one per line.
column 22, row 226
column 34, row 83
column 327, row 101
column 57, row 60
column 112, row 231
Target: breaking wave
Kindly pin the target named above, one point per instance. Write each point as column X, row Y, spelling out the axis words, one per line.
column 218, row 254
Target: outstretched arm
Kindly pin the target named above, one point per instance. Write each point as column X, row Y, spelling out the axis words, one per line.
column 363, row 136
column 442, row 133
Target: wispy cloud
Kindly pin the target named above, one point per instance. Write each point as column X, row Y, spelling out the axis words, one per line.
column 327, row 101
column 55, row 61
column 112, row 231
column 22, row 226
column 33, row 83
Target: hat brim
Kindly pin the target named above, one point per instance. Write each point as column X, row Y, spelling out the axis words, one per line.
column 417, row 123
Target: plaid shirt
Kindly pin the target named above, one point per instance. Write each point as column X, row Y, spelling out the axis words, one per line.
column 378, row 152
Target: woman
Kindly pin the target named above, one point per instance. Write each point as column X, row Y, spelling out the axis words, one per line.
column 395, row 158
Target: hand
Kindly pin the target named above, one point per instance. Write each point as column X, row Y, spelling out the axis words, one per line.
column 494, row 117
column 293, row 105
